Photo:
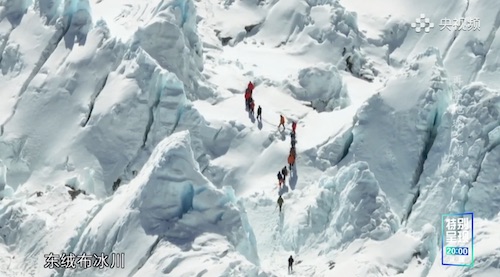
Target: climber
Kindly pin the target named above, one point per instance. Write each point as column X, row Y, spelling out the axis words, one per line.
column 280, row 179
column 294, row 126
column 290, row 264
column 292, row 151
column 252, row 106
column 280, row 202
column 248, row 97
column 293, row 142
column 282, row 122
column 349, row 63
column 249, row 103
column 250, row 87
column 291, row 160
column 284, row 172
column 259, row 113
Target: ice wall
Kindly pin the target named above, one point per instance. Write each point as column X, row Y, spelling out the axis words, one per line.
column 409, row 106
column 171, row 39
column 170, row 204
column 460, row 159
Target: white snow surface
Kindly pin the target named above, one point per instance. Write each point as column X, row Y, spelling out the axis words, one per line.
column 123, row 130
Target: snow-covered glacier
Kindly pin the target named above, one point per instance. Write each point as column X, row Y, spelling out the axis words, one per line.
column 124, row 133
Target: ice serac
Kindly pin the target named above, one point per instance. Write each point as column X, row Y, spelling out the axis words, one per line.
column 78, row 14
column 49, row 9
column 166, row 214
column 117, row 127
column 14, row 10
column 13, row 157
column 58, row 99
column 137, row 101
column 322, row 86
column 334, row 150
column 151, row 104
column 348, row 206
column 283, row 20
column 20, row 54
column 171, row 39
column 455, row 163
column 393, row 129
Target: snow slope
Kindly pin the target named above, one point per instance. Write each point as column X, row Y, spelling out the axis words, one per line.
column 123, row 130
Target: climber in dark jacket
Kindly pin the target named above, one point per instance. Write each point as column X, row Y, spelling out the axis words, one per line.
column 290, row 264
column 349, row 63
column 280, row 202
column 284, row 173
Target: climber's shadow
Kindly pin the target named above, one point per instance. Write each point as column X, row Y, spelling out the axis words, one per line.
column 282, row 135
column 283, row 189
column 293, row 177
column 251, row 116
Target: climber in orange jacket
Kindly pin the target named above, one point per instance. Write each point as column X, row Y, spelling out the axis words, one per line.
column 291, row 160
column 282, row 122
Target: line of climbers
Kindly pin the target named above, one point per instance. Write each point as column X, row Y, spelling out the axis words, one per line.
column 291, row 158
column 250, row 106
